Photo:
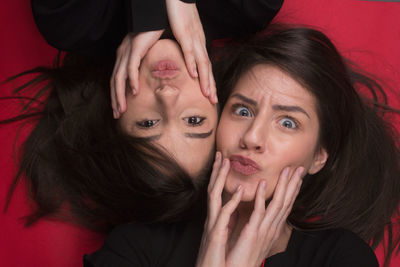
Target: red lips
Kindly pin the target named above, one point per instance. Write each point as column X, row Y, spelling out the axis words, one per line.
column 165, row 69
column 243, row 165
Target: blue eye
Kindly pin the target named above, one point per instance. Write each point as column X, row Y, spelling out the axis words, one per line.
column 147, row 123
column 288, row 123
column 194, row 120
column 242, row 111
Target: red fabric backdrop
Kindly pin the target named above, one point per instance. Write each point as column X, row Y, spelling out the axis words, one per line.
column 368, row 32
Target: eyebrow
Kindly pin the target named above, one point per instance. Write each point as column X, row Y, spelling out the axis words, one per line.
column 274, row 107
column 190, row 135
column 199, row 135
column 290, row 109
column 245, row 99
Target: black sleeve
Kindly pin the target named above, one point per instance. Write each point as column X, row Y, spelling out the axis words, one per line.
column 236, row 18
column 352, row 251
column 125, row 246
column 96, row 26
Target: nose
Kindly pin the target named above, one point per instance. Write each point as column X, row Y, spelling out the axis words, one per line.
column 167, row 95
column 255, row 137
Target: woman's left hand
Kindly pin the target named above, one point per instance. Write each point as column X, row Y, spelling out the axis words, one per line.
column 188, row 31
column 265, row 224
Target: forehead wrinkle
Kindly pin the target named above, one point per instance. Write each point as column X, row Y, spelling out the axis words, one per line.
column 281, row 98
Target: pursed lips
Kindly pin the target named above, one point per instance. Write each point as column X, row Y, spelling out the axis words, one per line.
column 243, row 165
column 165, row 69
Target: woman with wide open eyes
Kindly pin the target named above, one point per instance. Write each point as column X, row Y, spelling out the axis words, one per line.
column 294, row 144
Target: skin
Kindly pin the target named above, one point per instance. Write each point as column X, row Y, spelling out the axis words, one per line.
column 271, row 119
column 185, row 23
column 172, row 111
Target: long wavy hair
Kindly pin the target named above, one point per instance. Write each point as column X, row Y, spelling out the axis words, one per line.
column 359, row 187
column 78, row 164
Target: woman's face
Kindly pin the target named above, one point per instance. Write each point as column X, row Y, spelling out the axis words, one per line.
column 170, row 108
column 268, row 123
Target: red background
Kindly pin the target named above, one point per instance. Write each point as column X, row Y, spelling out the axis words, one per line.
column 367, row 32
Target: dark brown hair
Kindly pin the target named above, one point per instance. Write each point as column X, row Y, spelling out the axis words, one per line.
column 359, row 187
column 78, row 164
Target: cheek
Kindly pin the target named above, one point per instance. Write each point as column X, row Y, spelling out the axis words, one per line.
column 293, row 153
column 227, row 135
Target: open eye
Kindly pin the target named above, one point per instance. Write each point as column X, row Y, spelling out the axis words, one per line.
column 194, row 120
column 288, row 123
column 241, row 110
column 147, row 123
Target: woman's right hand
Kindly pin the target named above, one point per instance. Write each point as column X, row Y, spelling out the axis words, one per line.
column 126, row 69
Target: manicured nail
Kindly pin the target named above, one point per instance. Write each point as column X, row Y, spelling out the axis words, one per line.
column 208, row 91
column 263, row 184
column 239, row 188
column 215, row 98
column 286, row 171
column 300, row 171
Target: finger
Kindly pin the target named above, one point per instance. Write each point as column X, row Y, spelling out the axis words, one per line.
column 292, row 192
column 214, row 197
column 190, row 62
column 215, row 170
column 297, row 178
column 204, row 66
column 120, row 83
column 227, row 210
column 277, row 201
column 112, row 88
column 259, row 205
column 133, row 73
column 221, row 178
column 213, row 89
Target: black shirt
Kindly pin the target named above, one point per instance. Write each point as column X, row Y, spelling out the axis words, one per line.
column 97, row 27
column 177, row 245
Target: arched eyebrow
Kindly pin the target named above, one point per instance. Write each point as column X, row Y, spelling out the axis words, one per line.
column 245, row 99
column 290, row 109
column 189, row 135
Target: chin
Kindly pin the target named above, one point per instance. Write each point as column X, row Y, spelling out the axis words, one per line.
column 249, row 189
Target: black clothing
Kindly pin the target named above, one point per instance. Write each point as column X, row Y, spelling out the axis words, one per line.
column 177, row 245
column 97, row 27
column 169, row 245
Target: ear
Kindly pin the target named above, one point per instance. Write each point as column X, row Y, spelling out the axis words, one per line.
column 320, row 158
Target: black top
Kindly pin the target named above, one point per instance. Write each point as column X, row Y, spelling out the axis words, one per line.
column 97, row 27
column 177, row 245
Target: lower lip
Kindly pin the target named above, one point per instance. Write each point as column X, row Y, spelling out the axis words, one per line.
column 242, row 168
column 165, row 73
column 165, row 69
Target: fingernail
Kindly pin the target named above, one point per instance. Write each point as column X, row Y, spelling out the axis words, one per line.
column 119, row 108
column 301, row 171
column 225, row 162
column 114, row 114
column 263, row 184
column 195, row 72
column 286, row 171
column 215, row 98
column 217, row 155
column 239, row 188
column 134, row 91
